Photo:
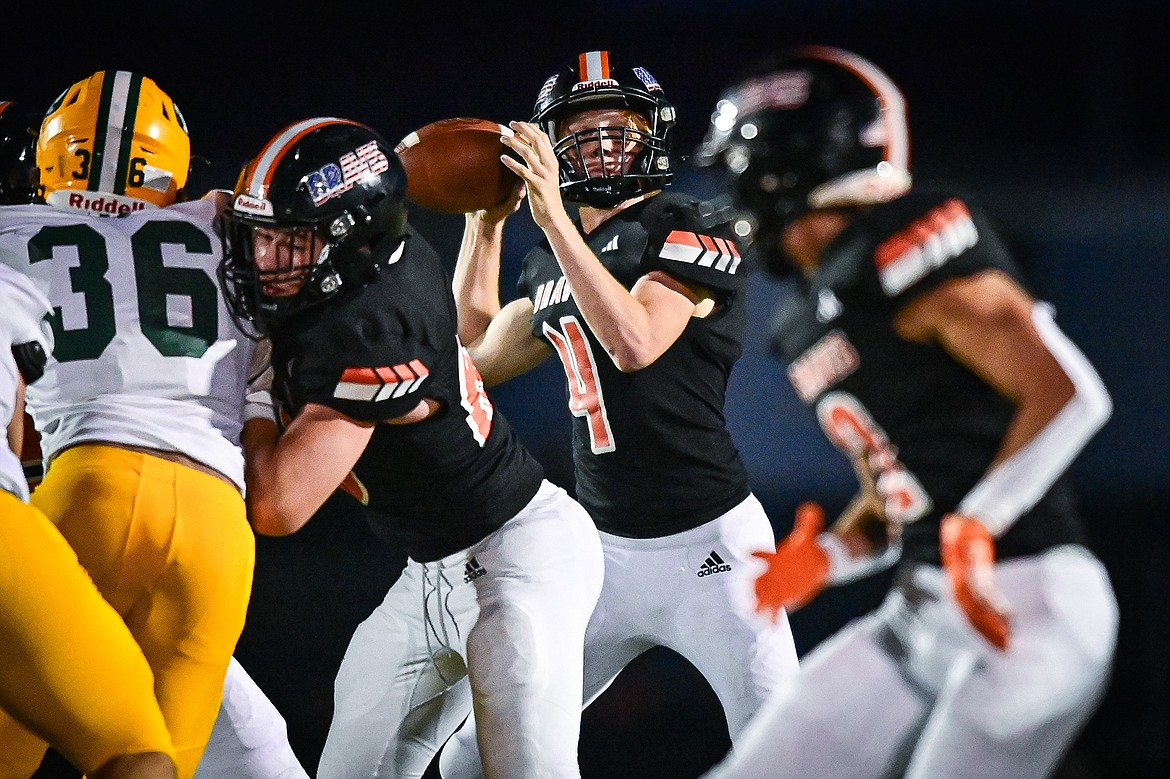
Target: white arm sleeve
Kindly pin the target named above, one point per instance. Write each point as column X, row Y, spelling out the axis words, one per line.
column 1015, row 485
column 845, row 568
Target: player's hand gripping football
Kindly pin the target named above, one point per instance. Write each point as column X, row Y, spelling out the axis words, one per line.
column 539, row 169
column 968, row 555
column 501, row 211
column 796, row 572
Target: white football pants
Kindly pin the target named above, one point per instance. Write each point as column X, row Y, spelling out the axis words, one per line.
column 250, row 737
column 500, row 625
column 690, row 592
column 913, row 688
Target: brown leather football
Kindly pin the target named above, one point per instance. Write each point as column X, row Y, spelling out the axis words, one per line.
column 453, row 165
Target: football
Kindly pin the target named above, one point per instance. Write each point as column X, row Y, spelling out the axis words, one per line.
column 453, row 165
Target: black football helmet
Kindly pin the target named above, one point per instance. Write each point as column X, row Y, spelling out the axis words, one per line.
column 815, row 127
column 341, row 188
column 19, row 127
column 597, row 79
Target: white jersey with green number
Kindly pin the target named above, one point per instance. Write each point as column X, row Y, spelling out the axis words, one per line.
column 22, row 320
column 146, row 352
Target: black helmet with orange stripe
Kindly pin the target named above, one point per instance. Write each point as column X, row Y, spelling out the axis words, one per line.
column 628, row 159
column 318, row 211
column 19, row 125
column 815, row 127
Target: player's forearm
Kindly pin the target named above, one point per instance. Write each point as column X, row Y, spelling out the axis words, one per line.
column 508, row 348
column 476, row 282
column 16, row 423
column 860, row 543
column 619, row 321
column 272, row 500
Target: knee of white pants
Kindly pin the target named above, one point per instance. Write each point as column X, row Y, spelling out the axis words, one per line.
column 460, row 757
column 502, row 650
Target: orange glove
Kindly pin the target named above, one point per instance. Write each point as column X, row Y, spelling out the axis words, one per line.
column 968, row 555
column 798, row 569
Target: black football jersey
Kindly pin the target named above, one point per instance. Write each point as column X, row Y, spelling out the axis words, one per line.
column 651, row 450
column 936, row 425
column 436, row 486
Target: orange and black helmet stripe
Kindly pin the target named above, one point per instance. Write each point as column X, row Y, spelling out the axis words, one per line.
column 593, row 66
column 897, row 151
column 268, row 160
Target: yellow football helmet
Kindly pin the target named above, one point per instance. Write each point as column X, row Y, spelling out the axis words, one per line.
column 114, row 133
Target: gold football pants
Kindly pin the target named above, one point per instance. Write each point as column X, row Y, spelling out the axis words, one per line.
column 69, row 668
column 170, row 548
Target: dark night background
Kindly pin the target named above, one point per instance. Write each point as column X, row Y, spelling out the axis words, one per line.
column 1054, row 116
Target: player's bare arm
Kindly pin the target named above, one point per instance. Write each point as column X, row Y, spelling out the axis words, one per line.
column 988, row 323
column 863, row 527
column 508, row 348
column 499, row 339
column 16, row 424
column 985, row 322
column 635, row 326
column 476, row 280
column 320, row 442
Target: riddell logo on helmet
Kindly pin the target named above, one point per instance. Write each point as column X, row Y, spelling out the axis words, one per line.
column 103, row 205
column 253, row 205
column 600, row 82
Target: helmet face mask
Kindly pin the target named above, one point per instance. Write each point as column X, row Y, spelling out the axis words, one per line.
column 19, row 125
column 321, row 209
column 118, row 134
column 630, row 156
column 814, row 128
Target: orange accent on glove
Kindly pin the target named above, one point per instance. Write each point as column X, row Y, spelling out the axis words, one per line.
column 968, row 555
column 798, row 569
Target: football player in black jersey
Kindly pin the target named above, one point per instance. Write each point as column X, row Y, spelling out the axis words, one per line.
column 642, row 301
column 378, row 394
column 961, row 404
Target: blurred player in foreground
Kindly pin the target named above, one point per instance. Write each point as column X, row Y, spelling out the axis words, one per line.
column 250, row 738
column 961, row 404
